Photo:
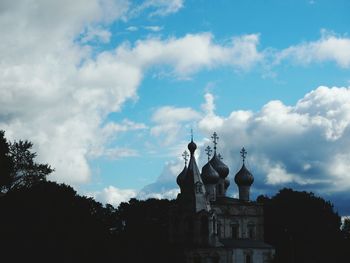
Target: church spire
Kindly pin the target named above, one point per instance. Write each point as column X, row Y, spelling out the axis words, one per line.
column 194, row 188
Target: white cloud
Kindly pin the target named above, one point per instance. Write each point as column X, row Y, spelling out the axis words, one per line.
column 171, row 114
column 153, row 28
column 192, row 53
column 304, row 146
column 158, row 7
column 57, row 92
column 132, row 28
column 44, row 94
column 96, row 33
column 329, row 48
column 168, row 122
column 114, row 196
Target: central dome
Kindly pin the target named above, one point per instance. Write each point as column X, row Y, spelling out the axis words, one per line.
column 209, row 175
column 219, row 166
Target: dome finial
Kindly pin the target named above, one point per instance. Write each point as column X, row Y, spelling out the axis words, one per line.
column 192, row 146
column 243, row 153
column 208, row 151
column 215, row 138
column 185, row 155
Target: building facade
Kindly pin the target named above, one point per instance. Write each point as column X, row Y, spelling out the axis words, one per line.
column 212, row 227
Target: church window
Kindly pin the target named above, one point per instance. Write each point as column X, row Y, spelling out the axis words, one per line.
column 234, row 231
column 198, row 188
column 251, row 231
column 219, row 229
column 214, row 225
column 248, row 258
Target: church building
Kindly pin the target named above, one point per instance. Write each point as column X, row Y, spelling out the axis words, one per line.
column 212, row 227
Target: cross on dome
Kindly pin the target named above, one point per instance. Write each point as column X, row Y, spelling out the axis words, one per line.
column 215, row 138
column 243, row 154
column 208, row 151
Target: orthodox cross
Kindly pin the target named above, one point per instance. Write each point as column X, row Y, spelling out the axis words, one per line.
column 243, row 154
column 185, row 156
column 191, row 135
column 208, row 150
column 215, row 138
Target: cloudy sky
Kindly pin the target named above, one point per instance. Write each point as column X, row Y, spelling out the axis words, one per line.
column 108, row 91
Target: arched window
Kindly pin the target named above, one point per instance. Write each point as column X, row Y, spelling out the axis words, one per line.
column 214, row 225
column 198, row 188
column 235, row 230
column 248, row 258
column 251, row 230
column 219, row 229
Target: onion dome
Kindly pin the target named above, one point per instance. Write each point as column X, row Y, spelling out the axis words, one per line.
column 226, row 183
column 180, row 180
column 219, row 166
column 209, row 175
column 192, row 147
column 244, row 177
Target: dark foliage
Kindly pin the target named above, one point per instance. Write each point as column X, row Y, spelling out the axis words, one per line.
column 18, row 167
column 51, row 223
column 6, row 164
column 144, row 229
column 303, row 228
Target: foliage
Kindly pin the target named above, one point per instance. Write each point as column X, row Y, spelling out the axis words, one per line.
column 6, row 163
column 302, row 227
column 51, row 223
column 144, row 228
column 18, row 166
column 346, row 228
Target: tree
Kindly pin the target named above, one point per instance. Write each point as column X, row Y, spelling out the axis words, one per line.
column 50, row 222
column 302, row 227
column 6, row 164
column 18, row 166
column 346, row 228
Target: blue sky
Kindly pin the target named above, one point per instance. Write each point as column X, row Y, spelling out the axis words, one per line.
column 109, row 90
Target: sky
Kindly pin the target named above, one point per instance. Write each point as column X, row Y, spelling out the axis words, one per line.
column 108, row 91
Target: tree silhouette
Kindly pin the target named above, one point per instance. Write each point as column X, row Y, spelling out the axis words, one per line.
column 302, row 227
column 18, row 166
column 49, row 222
column 6, row 164
column 346, row 228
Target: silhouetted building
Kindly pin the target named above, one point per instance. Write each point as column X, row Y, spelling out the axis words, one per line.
column 211, row 226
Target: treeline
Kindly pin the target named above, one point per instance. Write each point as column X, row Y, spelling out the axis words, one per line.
column 42, row 221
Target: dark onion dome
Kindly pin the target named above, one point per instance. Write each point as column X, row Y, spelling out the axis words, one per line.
column 180, row 180
column 244, row 177
column 227, row 183
column 219, row 166
column 192, row 147
column 209, row 175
